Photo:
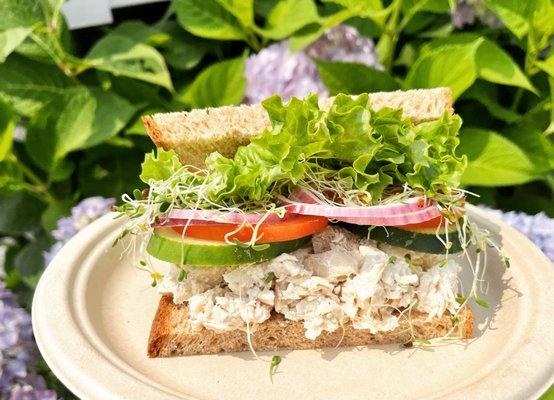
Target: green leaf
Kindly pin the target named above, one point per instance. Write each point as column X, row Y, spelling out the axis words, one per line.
column 541, row 29
column 109, row 171
column 456, row 61
column 371, row 9
column 493, row 160
column 139, row 32
column 434, row 6
column 160, row 166
column 78, row 119
column 406, row 57
column 139, row 93
column 19, row 213
column 481, row 302
column 288, row 16
column 54, row 211
column 337, row 77
column 20, row 13
column 515, row 14
column 208, row 19
column 220, row 84
column 365, row 27
column 538, row 146
column 29, row 262
column 10, row 39
column 275, row 361
column 452, row 66
column 487, row 95
column 495, row 65
column 547, row 65
column 310, row 33
column 263, row 7
column 28, row 85
column 121, row 55
column 243, row 10
column 183, row 50
column 7, row 124
column 11, row 177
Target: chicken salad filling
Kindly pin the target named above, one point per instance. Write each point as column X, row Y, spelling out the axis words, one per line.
column 340, row 278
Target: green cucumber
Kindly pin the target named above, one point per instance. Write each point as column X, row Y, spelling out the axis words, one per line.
column 168, row 245
column 422, row 240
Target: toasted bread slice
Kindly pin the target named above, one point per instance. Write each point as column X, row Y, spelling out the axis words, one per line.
column 172, row 336
column 196, row 134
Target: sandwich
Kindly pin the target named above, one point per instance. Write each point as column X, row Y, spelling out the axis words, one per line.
column 305, row 224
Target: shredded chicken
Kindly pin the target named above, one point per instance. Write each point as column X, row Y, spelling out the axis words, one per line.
column 245, row 299
column 198, row 281
column 333, row 265
column 342, row 279
column 301, row 296
column 382, row 286
column 436, row 292
column 335, row 238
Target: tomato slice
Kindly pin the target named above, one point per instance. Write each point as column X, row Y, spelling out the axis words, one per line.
column 432, row 223
column 429, row 224
column 294, row 227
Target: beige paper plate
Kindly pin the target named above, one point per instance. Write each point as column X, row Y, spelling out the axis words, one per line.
column 92, row 313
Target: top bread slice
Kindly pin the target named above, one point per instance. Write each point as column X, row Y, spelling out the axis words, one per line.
column 196, row 134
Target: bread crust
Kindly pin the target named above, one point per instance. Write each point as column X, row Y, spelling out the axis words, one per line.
column 154, row 132
column 172, row 336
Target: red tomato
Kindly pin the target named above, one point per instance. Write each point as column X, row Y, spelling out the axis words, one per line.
column 291, row 228
column 432, row 223
column 429, row 224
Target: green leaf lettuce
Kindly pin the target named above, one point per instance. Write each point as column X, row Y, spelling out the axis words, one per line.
column 349, row 146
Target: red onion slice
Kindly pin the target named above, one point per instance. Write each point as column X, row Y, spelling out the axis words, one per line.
column 411, row 211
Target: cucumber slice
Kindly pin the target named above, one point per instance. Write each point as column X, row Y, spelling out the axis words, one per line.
column 168, row 245
column 424, row 240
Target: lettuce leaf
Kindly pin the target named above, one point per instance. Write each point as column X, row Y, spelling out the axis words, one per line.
column 159, row 168
column 349, row 143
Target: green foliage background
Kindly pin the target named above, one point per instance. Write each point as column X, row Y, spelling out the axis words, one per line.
column 81, row 101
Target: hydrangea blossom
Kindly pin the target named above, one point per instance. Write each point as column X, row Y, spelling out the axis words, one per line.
column 466, row 12
column 277, row 70
column 18, row 353
column 539, row 228
column 81, row 215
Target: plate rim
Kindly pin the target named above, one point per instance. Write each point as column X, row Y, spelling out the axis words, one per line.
column 107, row 223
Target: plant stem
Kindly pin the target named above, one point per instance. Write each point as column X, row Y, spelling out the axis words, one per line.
column 252, row 40
column 517, row 99
column 167, row 14
column 392, row 31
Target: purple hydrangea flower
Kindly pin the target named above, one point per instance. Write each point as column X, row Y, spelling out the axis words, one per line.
column 466, row 12
column 82, row 214
column 18, row 353
column 33, row 388
column 463, row 14
column 538, row 228
column 344, row 43
column 277, row 70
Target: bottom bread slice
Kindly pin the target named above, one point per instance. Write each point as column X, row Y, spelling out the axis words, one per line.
column 171, row 334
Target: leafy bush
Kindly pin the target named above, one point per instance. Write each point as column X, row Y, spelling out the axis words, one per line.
column 80, row 104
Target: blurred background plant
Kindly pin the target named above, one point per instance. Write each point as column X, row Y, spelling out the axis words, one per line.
column 70, row 102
